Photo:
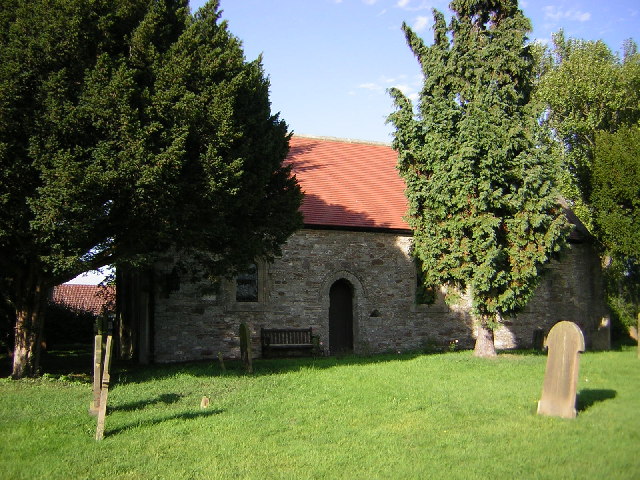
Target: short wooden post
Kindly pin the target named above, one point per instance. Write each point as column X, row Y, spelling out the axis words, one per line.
column 102, row 412
column 97, row 374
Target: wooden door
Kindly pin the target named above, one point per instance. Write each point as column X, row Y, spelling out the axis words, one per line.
column 341, row 317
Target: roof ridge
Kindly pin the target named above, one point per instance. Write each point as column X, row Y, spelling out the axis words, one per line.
column 343, row 140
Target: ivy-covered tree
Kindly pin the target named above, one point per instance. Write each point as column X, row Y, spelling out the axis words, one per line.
column 128, row 127
column 481, row 186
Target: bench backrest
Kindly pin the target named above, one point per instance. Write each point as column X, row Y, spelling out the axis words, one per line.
column 286, row 336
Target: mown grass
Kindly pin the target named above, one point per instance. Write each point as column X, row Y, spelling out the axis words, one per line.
column 386, row 417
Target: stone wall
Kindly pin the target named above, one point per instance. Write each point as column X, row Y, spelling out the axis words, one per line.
column 196, row 320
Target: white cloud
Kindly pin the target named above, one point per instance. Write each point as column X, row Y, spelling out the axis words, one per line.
column 555, row 14
column 369, row 2
column 370, row 86
column 421, row 24
column 391, row 80
column 411, row 6
column 409, row 91
column 409, row 86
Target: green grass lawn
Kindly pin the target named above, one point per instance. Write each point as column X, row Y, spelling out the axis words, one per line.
column 385, row 417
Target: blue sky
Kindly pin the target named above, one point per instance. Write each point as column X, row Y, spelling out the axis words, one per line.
column 331, row 62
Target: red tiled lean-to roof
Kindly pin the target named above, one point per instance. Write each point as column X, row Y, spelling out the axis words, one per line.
column 348, row 183
column 85, row 298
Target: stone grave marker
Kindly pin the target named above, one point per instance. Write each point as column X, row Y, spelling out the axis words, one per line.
column 565, row 342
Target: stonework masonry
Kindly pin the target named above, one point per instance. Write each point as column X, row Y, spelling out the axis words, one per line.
column 197, row 320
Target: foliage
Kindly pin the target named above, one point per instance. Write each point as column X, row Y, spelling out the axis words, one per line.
column 616, row 204
column 587, row 89
column 127, row 127
column 480, row 184
column 616, row 190
column 328, row 418
column 593, row 107
column 622, row 284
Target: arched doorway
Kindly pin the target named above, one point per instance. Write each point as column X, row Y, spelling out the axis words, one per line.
column 341, row 317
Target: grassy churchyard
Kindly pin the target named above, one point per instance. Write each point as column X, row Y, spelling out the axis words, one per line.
column 413, row 416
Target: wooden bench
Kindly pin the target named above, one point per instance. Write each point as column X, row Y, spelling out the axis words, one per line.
column 286, row 341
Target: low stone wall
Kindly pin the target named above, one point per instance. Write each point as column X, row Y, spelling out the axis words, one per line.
column 196, row 320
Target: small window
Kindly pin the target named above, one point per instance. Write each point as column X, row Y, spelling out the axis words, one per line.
column 247, row 285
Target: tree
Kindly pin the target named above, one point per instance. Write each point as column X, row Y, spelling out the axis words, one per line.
column 587, row 89
column 615, row 200
column 616, row 190
column 592, row 97
column 128, row 127
column 480, row 184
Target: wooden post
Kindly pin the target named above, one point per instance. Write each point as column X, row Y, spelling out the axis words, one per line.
column 97, row 375
column 102, row 412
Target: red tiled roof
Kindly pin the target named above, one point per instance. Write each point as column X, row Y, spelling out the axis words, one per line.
column 85, row 298
column 348, row 184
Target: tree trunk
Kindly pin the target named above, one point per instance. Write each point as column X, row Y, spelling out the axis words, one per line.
column 485, row 347
column 28, row 330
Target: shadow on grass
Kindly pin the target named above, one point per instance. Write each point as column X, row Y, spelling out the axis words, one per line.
column 588, row 397
column 128, row 374
column 151, row 422
column 77, row 361
column 165, row 398
column 523, row 352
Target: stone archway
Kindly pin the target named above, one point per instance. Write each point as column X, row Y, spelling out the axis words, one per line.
column 358, row 298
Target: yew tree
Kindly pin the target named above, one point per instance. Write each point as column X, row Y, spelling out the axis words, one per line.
column 483, row 203
column 128, row 127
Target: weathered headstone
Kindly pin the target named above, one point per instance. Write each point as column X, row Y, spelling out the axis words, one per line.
column 245, row 347
column 565, row 342
column 221, row 361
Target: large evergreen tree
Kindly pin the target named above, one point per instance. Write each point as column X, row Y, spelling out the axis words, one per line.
column 126, row 127
column 480, row 183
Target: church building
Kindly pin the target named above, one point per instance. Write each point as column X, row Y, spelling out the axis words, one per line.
column 348, row 275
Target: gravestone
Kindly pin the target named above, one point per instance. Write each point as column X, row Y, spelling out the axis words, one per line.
column 245, row 347
column 565, row 342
